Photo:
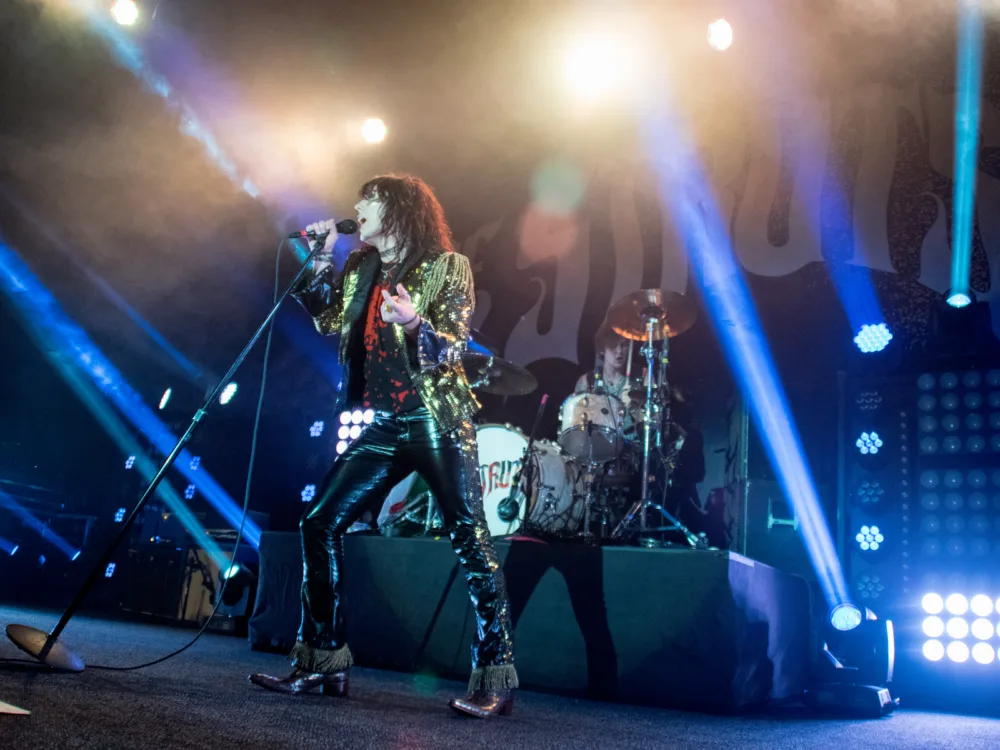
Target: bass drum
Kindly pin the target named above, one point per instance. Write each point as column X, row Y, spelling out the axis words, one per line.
column 557, row 491
column 501, row 450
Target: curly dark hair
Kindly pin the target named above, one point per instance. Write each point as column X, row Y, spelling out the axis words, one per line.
column 411, row 211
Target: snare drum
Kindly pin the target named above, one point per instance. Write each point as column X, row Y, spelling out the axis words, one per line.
column 591, row 426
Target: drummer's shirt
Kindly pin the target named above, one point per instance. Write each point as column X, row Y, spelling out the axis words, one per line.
column 388, row 386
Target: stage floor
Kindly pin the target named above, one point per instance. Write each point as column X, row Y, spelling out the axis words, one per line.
column 201, row 700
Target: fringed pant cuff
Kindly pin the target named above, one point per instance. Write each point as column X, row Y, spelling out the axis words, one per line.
column 322, row 660
column 493, row 679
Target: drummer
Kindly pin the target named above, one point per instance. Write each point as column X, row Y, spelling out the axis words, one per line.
column 609, row 373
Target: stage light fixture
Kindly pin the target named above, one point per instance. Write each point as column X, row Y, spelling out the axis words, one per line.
column 599, row 64
column 195, row 463
column 239, row 578
column 165, row 398
column 357, row 416
column 316, row 428
column 355, row 432
column 373, row 130
column 368, row 416
column 983, row 653
column 9, row 547
column 109, row 570
column 308, row 493
column 189, row 492
column 869, row 538
column 125, row 12
column 959, row 299
column 130, row 462
column 344, row 433
column 869, row 443
column 345, row 417
column 720, row 34
column 341, row 447
column 227, row 393
column 119, row 515
column 858, row 661
column 873, row 338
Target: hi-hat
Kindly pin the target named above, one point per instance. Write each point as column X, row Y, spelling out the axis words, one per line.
column 670, row 313
column 498, row 376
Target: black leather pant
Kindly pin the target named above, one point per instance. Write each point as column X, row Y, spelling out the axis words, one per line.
column 388, row 449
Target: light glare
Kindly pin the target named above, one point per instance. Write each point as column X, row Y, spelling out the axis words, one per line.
column 720, row 34
column 125, row 12
column 934, row 626
column 373, row 130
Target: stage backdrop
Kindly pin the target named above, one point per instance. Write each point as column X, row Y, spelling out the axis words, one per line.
column 864, row 179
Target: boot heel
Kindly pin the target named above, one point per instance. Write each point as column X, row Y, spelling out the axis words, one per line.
column 335, row 688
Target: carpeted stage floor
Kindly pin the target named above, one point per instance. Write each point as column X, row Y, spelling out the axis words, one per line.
column 201, row 700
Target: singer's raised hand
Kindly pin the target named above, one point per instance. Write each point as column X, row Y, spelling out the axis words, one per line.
column 319, row 227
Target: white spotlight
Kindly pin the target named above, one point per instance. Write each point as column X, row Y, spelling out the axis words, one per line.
column 373, row 130
column 597, row 64
column 125, row 12
column 227, row 393
column 720, row 34
column 957, row 604
column 165, row 398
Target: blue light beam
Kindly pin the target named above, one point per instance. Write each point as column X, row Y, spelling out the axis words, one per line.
column 968, row 86
column 684, row 191
column 72, row 352
column 42, row 529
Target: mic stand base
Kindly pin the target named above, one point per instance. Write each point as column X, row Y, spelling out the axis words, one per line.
column 34, row 643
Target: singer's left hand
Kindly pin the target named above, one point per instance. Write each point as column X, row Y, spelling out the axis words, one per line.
column 399, row 308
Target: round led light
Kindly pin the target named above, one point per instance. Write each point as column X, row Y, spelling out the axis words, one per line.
column 982, row 629
column 934, row 627
column 983, row 653
column 933, row 650
column 933, row 604
column 981, row 605
column 958, row 628
column 345, row 417
column 957, row 604
column 958, row 652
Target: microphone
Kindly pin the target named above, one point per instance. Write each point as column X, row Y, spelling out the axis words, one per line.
column 509, row 508
column 347, row 226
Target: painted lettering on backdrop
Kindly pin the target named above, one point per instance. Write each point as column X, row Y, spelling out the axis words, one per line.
column 777, row 191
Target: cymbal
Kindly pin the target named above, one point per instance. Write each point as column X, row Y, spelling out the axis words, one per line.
column 671, row 313
column 479, row 344
column 498, row 376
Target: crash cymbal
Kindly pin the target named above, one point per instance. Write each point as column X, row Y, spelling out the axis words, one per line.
column 498, row 376
column 671, row 313
column 479, row 344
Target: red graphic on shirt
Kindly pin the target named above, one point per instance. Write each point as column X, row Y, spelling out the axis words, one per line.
column 385, row 386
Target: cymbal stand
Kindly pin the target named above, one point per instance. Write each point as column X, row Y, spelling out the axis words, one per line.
column 650, row 412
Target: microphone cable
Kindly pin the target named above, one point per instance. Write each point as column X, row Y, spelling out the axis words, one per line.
column 246, row 494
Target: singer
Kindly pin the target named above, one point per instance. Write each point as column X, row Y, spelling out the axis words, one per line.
column 401, row 306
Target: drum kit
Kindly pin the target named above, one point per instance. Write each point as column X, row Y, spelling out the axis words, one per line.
column 606, row 475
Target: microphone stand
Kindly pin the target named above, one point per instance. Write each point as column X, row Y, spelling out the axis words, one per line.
column 46, row 647
column 515, row 483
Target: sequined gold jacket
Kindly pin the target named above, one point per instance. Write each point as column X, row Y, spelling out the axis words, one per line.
column 442, row 292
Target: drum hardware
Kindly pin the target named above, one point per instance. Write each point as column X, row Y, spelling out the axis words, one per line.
column 508, row 508
column 654, row 317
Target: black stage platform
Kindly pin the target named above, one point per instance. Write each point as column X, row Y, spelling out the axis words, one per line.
column 678, row 628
